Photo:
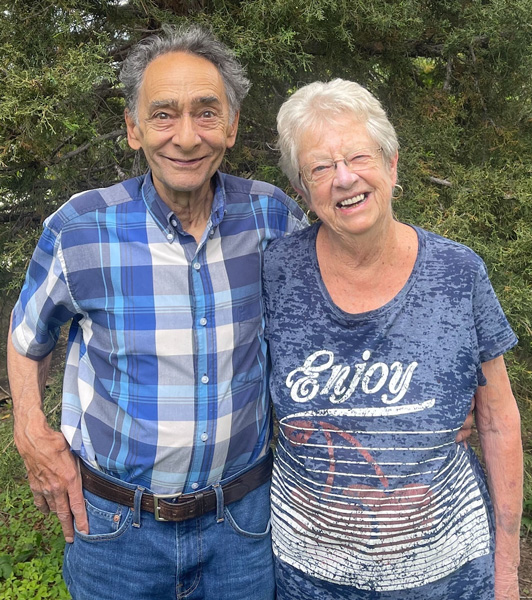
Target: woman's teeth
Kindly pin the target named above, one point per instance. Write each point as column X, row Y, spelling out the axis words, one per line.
column 352, row 201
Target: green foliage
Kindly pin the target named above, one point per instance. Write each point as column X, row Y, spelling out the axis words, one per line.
column 31, row 544
column 31, row 549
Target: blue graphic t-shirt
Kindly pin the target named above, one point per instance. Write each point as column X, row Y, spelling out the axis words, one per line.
column 370, row 490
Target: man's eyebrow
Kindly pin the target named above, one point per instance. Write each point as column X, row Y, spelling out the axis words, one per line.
column 206, row 100
column 174, row 104
column 164, row 104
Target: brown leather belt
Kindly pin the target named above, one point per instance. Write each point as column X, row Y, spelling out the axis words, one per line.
column 186, row 506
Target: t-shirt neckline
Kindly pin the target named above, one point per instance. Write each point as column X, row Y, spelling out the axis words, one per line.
column 377, row 312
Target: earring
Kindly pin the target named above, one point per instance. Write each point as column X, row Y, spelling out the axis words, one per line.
column 399, row 193
column 311, row 217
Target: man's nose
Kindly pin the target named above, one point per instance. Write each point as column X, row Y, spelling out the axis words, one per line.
column 186, row 133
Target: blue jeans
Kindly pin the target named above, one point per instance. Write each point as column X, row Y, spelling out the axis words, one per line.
column 128, row 555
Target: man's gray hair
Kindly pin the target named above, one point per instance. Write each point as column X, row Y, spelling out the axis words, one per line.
column 320, row 103
column 190, row 39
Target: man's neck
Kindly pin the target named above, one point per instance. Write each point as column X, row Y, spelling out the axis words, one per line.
column 193, row 208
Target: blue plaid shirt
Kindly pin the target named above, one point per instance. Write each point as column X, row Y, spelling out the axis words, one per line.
column 166, row 375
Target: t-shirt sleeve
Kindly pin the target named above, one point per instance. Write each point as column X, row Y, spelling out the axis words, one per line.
column 45, row 303
column 494, row 334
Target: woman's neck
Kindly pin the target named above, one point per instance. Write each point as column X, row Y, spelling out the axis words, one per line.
column 362, row 273
column 363, row 251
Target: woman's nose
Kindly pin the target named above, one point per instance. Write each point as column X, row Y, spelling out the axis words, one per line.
column 343, row 176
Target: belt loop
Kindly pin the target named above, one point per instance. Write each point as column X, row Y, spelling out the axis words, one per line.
column 136, row 505
column 219, row 502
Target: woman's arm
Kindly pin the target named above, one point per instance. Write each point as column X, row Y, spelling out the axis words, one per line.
column 498, row 424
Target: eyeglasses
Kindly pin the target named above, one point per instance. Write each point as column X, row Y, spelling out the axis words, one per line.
column 356, row 162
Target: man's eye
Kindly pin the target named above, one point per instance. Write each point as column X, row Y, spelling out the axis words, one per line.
column 208, row 114
column 161, row 116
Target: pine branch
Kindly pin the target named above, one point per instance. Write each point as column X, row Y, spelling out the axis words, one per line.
column 54, row 161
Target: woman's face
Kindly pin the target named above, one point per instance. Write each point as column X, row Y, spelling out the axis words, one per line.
column 353, row 200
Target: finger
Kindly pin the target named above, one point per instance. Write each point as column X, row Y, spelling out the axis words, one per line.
column 39, row 498
column 463, row 434
column 40, row 502
column 50, row 500
column 77, row 506
column 64, row 515
column 57, row 500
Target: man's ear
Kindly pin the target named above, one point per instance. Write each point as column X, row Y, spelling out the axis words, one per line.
column 232, row 130
column 133, row 132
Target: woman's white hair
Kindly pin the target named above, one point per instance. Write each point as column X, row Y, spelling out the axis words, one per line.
column 321, row 103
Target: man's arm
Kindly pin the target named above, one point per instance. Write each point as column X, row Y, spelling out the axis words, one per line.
column 498, row 425
column 53, row 472
column 467, row 427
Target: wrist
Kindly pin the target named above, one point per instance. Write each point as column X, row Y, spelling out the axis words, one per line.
column 32, row 432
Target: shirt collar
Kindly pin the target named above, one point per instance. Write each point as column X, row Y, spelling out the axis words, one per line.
column 164, row 216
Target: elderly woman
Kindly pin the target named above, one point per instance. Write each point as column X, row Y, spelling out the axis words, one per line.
column 380, row 333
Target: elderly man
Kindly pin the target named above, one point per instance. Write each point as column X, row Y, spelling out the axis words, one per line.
column 166, row 417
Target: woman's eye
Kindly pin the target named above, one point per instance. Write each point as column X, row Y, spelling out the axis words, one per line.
column 321, row 168
column 360, row 158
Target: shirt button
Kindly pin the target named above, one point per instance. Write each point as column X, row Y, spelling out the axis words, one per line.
column 204, row 437
column 195, row 486
column 197, row 266
column 174, row 222
column 170, row 236
column 205, row 379
column 203, row 321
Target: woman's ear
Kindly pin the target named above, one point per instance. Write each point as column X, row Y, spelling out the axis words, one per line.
column 303, row 193
column 393, row 168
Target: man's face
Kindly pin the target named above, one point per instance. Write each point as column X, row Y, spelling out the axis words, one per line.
column 183, row 125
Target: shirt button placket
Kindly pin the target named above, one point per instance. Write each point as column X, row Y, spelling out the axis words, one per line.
column 200, row 283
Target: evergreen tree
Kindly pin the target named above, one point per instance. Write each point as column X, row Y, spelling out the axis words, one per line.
column 455, row 76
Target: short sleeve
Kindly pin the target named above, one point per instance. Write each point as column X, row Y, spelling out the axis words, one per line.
column 494, row 334
column 298, row 220
column 44, row 304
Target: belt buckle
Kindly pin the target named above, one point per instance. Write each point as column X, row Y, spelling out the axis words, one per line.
column 157, row 507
